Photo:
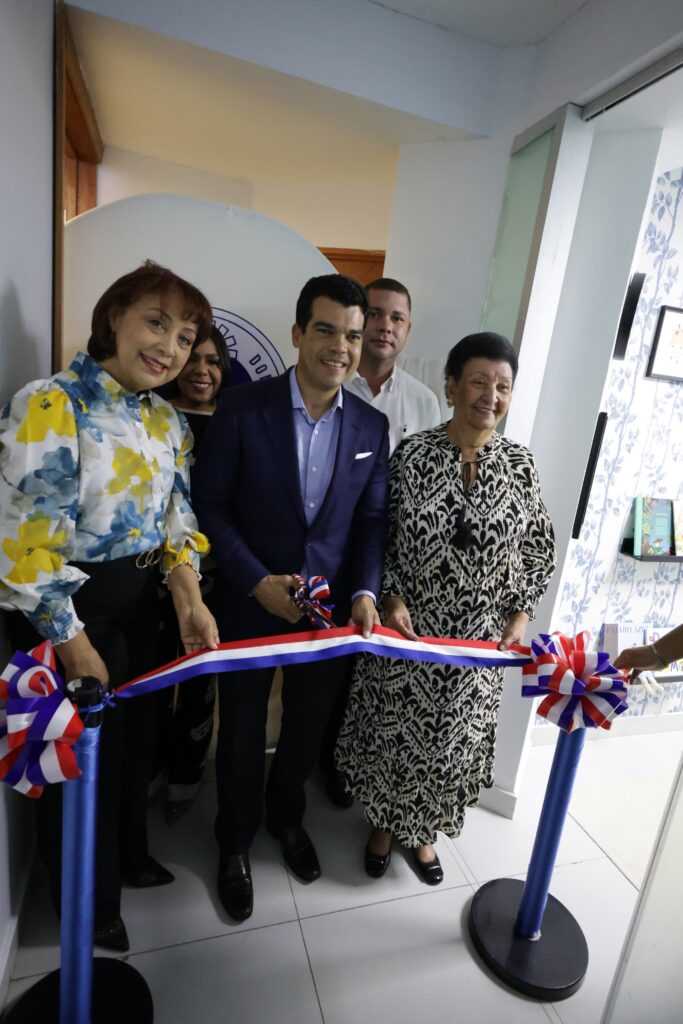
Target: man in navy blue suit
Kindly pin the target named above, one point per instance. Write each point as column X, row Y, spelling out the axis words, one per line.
column 292, row 477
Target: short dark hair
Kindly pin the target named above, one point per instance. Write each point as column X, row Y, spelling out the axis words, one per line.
column 390, row 284
column 338, row 287
column 485, row 345
column 149, row 279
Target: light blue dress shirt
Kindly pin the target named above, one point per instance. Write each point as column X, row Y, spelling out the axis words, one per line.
column 316, row 448
column 316, row 453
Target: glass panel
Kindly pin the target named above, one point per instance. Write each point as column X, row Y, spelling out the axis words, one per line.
column 515, row 231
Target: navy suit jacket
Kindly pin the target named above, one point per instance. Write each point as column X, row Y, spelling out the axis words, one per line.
column 247, row 496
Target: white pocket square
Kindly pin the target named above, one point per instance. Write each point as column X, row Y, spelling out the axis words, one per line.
column 363, row 455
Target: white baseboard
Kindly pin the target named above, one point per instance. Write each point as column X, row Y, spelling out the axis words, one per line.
column 498, row 800
column 503, row 802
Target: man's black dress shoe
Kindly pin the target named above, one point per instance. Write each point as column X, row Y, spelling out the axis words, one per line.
column 299, row 852
column 153, row 873
column 430, row 871
column 376, row 863
column 235, row 888
column 335, row 787
column 112, row 936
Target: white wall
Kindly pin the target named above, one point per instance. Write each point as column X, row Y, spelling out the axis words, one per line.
column 445, row 214
column 122, row 174
column 358, row 47
column 354, row 215
column 605, row 42
column 25, row 306
column 25, row 192
column 443, row 229
column 349, row 214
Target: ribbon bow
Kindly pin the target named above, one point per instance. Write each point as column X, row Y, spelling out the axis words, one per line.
column 38, row 725
column 580, row 687
column 309, row 595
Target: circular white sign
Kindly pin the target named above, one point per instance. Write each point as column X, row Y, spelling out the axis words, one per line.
column 251, row 269
column 253, row 356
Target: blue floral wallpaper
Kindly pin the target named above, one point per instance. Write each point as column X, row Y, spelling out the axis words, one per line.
column 642, row 454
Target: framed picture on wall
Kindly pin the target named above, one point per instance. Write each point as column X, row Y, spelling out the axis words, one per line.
column 666, row 355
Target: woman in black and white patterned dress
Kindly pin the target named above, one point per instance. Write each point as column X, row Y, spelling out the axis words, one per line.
column 470, row 554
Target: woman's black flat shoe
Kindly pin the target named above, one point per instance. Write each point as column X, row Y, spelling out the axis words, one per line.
column 113, row 936
column 151, row 875
column 431, row 871
column 376, row 863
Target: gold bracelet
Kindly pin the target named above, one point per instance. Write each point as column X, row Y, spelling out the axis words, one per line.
column 660, row 659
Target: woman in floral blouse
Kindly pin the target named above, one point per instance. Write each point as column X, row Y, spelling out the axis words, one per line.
column 93, row 494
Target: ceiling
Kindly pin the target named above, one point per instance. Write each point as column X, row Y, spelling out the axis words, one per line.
column 503, row 22
column 175, row 101
column 169, row 99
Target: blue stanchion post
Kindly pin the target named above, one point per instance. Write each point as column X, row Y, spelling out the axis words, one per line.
column 523, row 934
column 549, row 833
column 85, row 990
column 78, row 848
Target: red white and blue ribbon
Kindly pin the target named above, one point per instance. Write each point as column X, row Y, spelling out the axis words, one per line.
column 581, row 689
column 309, row 596
column 318, row 645
column 38, row 724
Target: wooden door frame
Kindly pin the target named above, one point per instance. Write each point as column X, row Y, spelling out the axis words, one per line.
column 74, row 118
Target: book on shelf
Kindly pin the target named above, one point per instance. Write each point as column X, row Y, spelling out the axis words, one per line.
column 678, row 527
column 652, row 527
column 615, row 636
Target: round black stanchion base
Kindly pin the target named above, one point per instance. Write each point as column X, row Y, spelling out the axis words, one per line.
column 549, row 968
column 119, row 993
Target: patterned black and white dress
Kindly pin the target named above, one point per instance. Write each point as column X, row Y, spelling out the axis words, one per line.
column 417, row 742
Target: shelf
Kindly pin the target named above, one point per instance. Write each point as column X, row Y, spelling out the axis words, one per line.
column 627, row 549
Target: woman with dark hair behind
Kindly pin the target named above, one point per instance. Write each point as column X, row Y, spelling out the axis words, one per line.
column 470, row 554
column 187, row 718
column 93, row 495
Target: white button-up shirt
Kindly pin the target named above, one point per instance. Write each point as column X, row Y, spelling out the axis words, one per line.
column 408, row 404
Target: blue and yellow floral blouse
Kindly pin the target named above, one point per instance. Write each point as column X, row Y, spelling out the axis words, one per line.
column 89, row 472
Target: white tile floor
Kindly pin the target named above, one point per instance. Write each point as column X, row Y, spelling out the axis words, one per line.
column 349, row 949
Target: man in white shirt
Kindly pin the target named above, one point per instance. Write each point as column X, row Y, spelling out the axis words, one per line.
column 408, row 404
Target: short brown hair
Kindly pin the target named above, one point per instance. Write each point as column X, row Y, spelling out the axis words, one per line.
column 149, row 279
column 390, row 284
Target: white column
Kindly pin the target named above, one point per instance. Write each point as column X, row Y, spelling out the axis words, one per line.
column 565, row 176
column 607, row 231
column 25, row 313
